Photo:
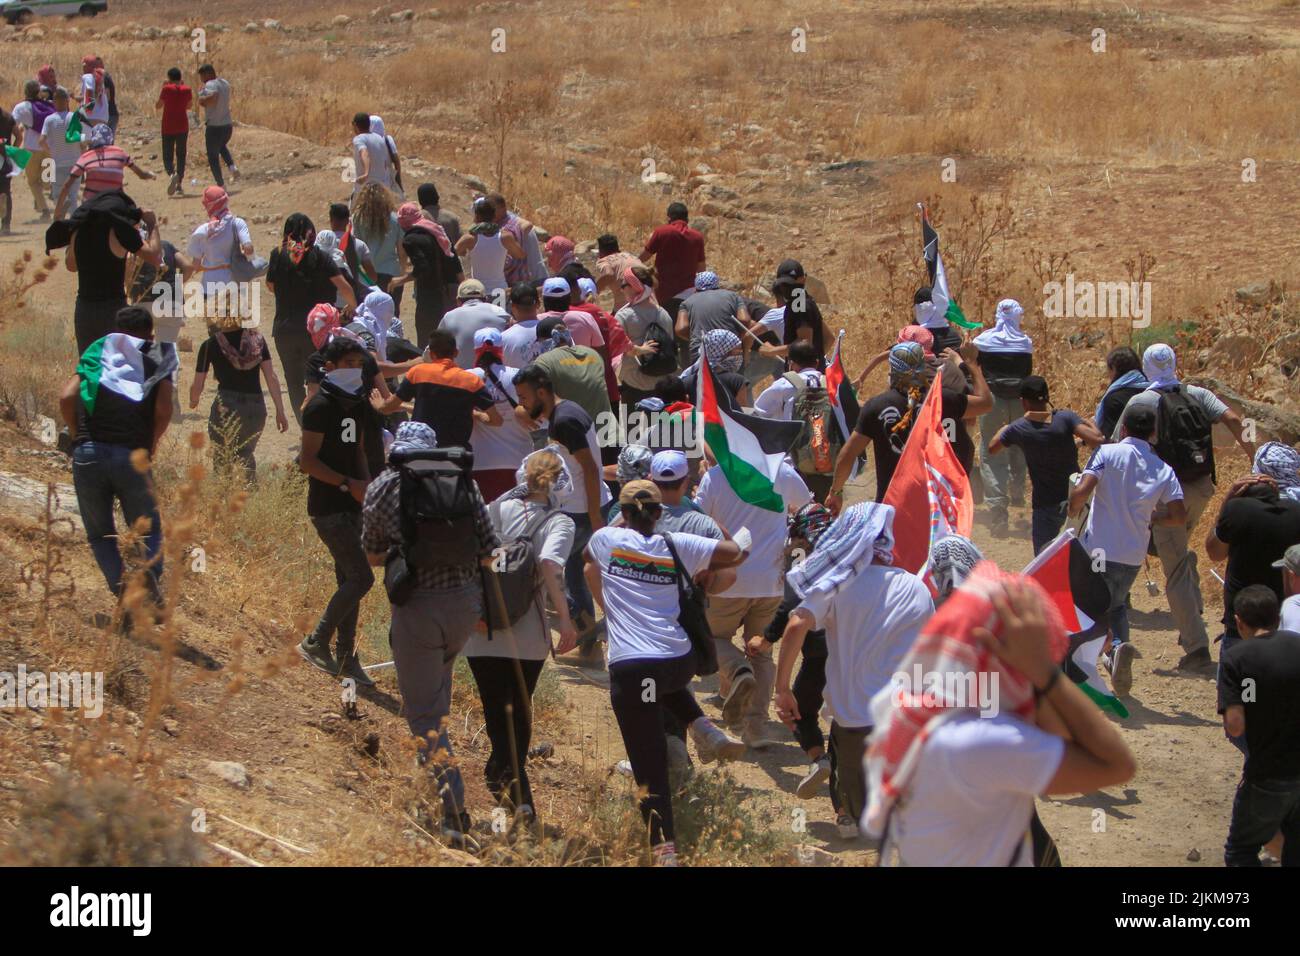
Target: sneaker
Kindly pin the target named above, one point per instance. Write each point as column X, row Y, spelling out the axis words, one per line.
column 679, row 758
column 525, row 818
column 624, row 767
column 455, row 830
column 754, row 734
column 1120, row 664
column 352, row 668
column 846, row 826
column 542, row 751
column 999, row 525
column 713, row 743
column 317, row 656
column 1196, row 660
column 819, row 771
column 665, row 854
column 738, row 696
column 172, row 183
column 234, row 174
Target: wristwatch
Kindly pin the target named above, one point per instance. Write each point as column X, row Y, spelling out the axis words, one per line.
column 345, row 487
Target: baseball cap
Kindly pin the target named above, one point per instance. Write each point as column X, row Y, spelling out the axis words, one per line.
column 556, row 285
column 586, row 286
column 470, row 289
column 640, row 493
column 1290, row 560
column 668, row 466
column 789, row 272
column 489, row 337
column 1034, row 388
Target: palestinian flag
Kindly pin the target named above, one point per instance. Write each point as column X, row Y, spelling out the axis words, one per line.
column 844, row 401
column 748, row 449
column 19, row 157
column 73, row 134
column 939, row 295
column 125, row 366
column 1065, row 572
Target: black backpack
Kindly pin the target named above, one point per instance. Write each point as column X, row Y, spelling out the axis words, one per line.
column 437, row 506
column 1185, row 439
column 693, row 618
column 664, row 361
column 510, row 585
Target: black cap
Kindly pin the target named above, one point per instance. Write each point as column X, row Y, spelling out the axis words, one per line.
column 789, row 272
column 1033, row 388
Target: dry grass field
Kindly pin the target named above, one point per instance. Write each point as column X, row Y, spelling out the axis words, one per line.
column 1160, row 150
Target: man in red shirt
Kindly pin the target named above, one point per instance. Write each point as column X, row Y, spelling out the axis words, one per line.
column 174, row 101
column 678, row 252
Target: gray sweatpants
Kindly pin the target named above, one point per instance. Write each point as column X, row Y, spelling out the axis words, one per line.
column 429, row 630
column 1005, row 472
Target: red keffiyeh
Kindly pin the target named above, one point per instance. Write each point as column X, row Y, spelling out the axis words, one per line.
column 410, row 216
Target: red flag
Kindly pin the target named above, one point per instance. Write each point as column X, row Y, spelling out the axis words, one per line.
column 929, row 491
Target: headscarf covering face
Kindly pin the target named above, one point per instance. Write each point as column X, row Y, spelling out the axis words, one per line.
column 918, row 334
column 559, row 253
column 216, row 203
column 1005, row 336
column 323, row 320
column 299, row 236
column 907, row 366
column 1281, row 463
column 327, row 241
column 47, row 77
column 101, row 135
column 810, row 522
column 704, row 281
column 376, row 313
column 952, row 560
column 410, row 216
column 413, row 436
column 718, row 346
column 863, row 534
column 1159, row 365
column 559, row 492
column 377, row 126
column 633, row 463
column 637, row 291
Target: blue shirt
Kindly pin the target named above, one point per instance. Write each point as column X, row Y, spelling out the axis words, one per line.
column 1132, row 482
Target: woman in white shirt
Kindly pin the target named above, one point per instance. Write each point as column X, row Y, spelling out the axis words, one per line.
column 498, row 449
column 486, row 245
column 212, row 246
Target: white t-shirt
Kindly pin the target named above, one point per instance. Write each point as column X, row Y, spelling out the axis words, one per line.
column 972, row 797
column 23, row 115
column 777, row 400
column 55, row 131
column 773, row 320
column 1291, row 614
column 528, row 639
column 870, row 623
column 381, row 167
column 564, row 440
column 519, row 345
column 1132, row 482
column 507, row 444
column 98, row 110
column 762, row 574
column 215, row 249
column 638, row 580
column 487, row 262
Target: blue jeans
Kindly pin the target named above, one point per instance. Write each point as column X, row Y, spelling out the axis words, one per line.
column 103, row 474
column 575, row 582
column 341, row 534
column 1046, row 524
column 1259, row 810
column 1119, row 579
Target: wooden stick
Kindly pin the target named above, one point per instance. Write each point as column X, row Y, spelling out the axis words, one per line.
column 284, row 843
column 235, row 854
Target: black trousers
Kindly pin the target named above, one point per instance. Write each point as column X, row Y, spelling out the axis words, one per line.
column 174, row 150
column 294, row 348
column 809, row 685
column 94, row 320
column 216, row 140
column 640, row 690
column 385, row 280
column 506, row 686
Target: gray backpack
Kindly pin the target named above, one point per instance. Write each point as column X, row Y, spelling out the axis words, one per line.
column 510, row 585
column 818, row 445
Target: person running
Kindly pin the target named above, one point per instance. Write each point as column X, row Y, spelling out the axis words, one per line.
column 473, row 313
column 1183, row 438
column 777, row 401
column 678, row 254
column 1045, row 436
column 1006, row 357
column 886, row 420
column 871, row 613
column 333, row 457
column 930, row 310
column 498, row 448
column 175, row 100
column 212, row 244
column 94, row 91
column 430, row 202
column 519, row 341
column 374, row 223
column 214, row 97
column 486, row 246
column 797, row 317
column 300, row 277
column 7, row 129
column 557, row 299
column 649, row 328
column 54, row 141
column 431, row 265
column 118, row 404
column 711, row 307
column 1135, row 491
column 1126, row 380
column 448, row 398
column 30, row 115
column 370, row 158
column 355, row 251
column 433, row 622
column 726, row 353
column 635, row 573
column 236, row 357
column 1259, row 698
column 507, row 664
column 100, row 169
column 572, row 434
column 951, row 784
column 562, row 261
column 611, row 263
column 578, row 372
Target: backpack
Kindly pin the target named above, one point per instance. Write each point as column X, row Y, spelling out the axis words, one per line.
column 693, row 618
column 510, row 586
column 1186, row 441
column 436, row 508
column 819, row 443
column 664, row 361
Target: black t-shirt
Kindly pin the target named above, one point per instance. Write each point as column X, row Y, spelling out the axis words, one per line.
column 117, row 419
column 101, row 276
column 733, row 382
column 1004, row 371
column 1257, row 533
column 883, row 412
column 299, row 288
column 1112, row 407
column 228, row 377
column 569, row 426
column 342, row 426
column 374, row 440
column 1050, row 454
column 1271, row 662
column 432, row 268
